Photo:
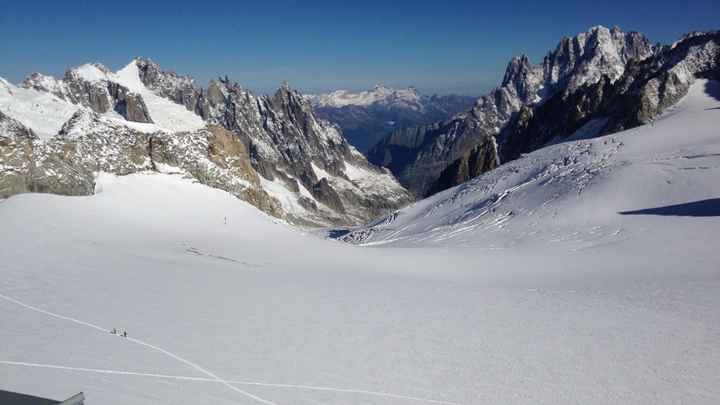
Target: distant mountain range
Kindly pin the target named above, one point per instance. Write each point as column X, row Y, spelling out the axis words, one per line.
column 368, row 116
column 598, row 82
column 278, row 152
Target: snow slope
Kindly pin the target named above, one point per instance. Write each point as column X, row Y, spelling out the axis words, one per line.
column 43, row 112
column 165, row 113
column 254, row 312
column 576, row 191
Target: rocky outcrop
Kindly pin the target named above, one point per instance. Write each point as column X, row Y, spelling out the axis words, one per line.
column 130, row 105
column 289, row 145
column 16, row 143
column 473, row 163
column 88, row 143
column 564, row 113
column 417, row 156
column 271, row 151
column 215, row 157
column 168, row 84
column 27, row 165
column 80, row 86
column 575, row 62
column 652, row 85
column 645, row 90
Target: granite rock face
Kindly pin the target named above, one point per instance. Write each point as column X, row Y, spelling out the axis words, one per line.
column 290, row 145
column 473, row 163
column 180, row 89
column 646, row 89
column 575, row 62
column 271, row 151
column 96, row 93
column 16, row 144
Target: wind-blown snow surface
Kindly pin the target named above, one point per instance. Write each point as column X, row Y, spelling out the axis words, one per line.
column 581, row 192
column 43, row 112
column 254, row 312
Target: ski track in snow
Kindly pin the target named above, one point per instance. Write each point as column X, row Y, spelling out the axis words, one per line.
column 203, row 379
column 213, row 377
column 142, row 343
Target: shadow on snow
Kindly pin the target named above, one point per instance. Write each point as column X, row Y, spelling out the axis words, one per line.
column 702, row 208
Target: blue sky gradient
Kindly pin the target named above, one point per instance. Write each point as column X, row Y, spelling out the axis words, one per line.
column 459, row 46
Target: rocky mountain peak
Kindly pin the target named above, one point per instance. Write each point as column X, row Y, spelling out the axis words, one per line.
column 287, row 93
column 271, row 151
column 518, row 66
column 166, row 83
column 585, row 58
column 582, row 60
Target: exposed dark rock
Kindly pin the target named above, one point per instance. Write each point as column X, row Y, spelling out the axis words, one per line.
column 285, row 138
column 128, row 104
column 252, row 145
column 473, row 163
column 100, row 95
column 650, row 86
column 324, row 193
column 644, row 91
column 180, row 89
column 575, row 62
column 558, row 117
column 16, row 148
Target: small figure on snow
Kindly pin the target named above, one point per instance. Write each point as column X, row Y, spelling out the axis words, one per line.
column 113, row 331
column 124, row 334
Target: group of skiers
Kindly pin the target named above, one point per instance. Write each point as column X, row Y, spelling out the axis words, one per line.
column 116, row 332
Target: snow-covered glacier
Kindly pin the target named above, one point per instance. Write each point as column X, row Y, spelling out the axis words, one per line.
column 585, row 272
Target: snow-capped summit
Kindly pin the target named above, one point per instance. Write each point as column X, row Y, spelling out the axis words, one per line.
column 379, row 94
column 271, row 151
column 367, row 116
column 590, row 55
column 575, row 62
column 91, row 72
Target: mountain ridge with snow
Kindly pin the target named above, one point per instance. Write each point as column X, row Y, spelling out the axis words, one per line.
column 418, row 156
column 147, row 118
column 583, row 272
column 594, row 181
column 367, row 116
column 604, row 78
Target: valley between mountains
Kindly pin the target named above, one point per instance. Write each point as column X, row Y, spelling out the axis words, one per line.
column 553, row 242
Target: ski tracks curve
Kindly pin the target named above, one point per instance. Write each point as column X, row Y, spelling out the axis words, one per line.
column 142, row 343
column 212, row 377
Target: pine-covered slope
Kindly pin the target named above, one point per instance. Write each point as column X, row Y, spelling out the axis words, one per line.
column 269, row 150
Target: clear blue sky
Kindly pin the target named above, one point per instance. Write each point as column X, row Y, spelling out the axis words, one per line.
column 438, row 46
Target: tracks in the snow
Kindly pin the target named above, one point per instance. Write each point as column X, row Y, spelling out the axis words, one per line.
column 211, row 377
column 142, row 343
column 237, row 382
